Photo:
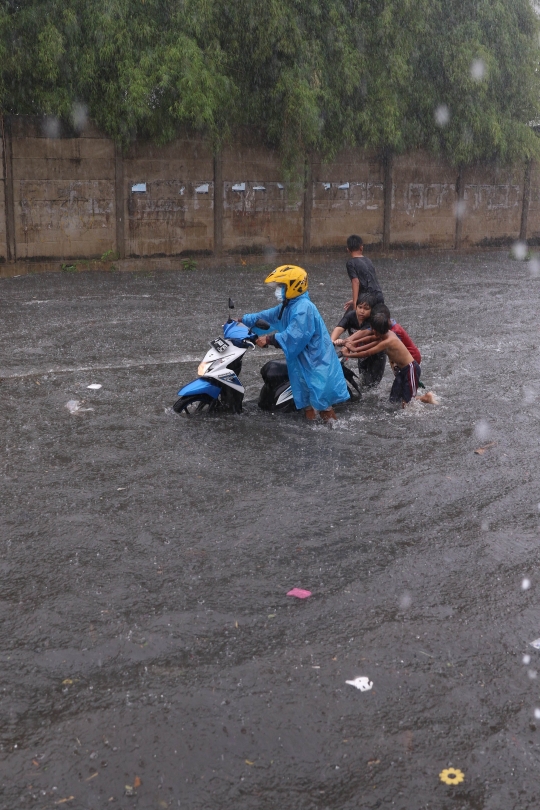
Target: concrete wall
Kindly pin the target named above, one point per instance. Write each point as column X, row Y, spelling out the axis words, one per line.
column 77, row 196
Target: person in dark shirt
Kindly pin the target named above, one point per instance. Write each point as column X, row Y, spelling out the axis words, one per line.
column 370, row 369
column 361, row 273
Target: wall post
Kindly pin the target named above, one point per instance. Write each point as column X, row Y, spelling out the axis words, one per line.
column 218, row 203
column 308, row 206
column 460, row 207
column 526, row 201
column 388, row 187
column 9, row 197
column 119, row 202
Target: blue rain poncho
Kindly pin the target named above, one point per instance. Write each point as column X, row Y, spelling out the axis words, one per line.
column 315, row 372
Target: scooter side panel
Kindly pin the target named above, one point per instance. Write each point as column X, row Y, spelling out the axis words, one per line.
column 199, row 387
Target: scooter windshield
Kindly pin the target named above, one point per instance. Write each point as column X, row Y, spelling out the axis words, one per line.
column 235, row 331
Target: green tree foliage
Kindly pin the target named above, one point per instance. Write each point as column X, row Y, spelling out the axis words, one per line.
column 311, row 75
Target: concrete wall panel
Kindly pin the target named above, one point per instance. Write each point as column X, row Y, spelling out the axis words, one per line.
column 260, row 209
column 492, row 205
column 176, row 212
column 63, row 192
column 348, row 197
column 424, row 197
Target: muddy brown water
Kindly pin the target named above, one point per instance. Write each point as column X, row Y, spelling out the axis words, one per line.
column 150, row 656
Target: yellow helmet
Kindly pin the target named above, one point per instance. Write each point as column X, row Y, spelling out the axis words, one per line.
column 294, row 278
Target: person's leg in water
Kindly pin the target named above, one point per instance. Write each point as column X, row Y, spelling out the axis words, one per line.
column 310, row 413
column 328, row 415
column 371, row 369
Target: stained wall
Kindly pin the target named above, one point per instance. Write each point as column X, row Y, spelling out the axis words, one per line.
column 67, row 195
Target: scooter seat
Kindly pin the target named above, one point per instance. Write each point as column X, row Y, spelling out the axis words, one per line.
column 275, row 372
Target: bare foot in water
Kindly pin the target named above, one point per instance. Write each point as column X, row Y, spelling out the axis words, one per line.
column 429, row 397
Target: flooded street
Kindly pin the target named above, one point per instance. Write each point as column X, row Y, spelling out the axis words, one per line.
column 150, row 657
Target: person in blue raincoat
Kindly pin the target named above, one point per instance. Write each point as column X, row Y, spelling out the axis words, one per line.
column 315, row 373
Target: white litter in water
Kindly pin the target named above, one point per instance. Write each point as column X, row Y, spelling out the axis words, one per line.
column 537, row 714
column 526, row 659
column 442, row 115
column 519, row 250
column 94, row 386
column 535, row 643
column 525, row 584
column 74, row 406
column 364, row 684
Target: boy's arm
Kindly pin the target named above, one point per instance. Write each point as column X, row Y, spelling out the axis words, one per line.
column 355, row 284
column 358, row 337
column 367, row 346
column 337, row 332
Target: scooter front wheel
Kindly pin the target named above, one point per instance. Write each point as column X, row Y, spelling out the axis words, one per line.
column 198, row 404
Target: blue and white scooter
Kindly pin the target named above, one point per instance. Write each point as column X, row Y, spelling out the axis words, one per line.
column 218, row 386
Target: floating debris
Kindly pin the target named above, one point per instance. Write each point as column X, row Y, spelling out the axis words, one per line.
column 94, row 386
column 299, row 593
column 362, row 683
column 451, row 776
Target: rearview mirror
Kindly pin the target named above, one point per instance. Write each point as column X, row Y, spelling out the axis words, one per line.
column 260, row 324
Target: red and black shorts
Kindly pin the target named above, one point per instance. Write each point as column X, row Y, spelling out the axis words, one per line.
column 405, row 385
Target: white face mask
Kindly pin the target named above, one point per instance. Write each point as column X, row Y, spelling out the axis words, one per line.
column 279, row 292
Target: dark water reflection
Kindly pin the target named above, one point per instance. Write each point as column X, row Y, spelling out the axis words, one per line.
column 145, row 558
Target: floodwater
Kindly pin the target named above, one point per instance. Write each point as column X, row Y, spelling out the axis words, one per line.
column 147, row 643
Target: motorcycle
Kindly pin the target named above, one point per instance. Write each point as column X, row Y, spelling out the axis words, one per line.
column 218, row 386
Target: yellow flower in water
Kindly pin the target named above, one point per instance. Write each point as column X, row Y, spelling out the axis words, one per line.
column 451, row 776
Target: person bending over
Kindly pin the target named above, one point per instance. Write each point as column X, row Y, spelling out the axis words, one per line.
column 361, row 272
column 394, row 327
column 406, row 368
column 315, row 373
column 370, row 369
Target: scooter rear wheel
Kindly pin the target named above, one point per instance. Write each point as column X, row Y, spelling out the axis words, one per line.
column 196, row 405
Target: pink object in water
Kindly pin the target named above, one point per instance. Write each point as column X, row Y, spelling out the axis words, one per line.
column 299, row 593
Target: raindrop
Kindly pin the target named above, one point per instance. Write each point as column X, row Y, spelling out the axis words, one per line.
column 482, row 430
column 519, row 250
column 478, row 70
column 51, row 127
column 460, row 209
column 270, row 254
column 532, row 674
column 79, row 116
column 525, row 584
column 526, row 659
column 405, row 601
column 485, row 526
column 534, row 267
column 442, row 115
column 537, row 714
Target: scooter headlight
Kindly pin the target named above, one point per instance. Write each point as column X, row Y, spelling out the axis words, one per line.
column 204, row 367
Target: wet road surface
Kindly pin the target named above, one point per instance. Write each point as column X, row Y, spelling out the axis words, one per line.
column 150, row 657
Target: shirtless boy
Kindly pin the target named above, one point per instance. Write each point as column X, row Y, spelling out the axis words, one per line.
column 406, row 369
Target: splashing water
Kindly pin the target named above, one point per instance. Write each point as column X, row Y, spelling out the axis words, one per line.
column 525, row 584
